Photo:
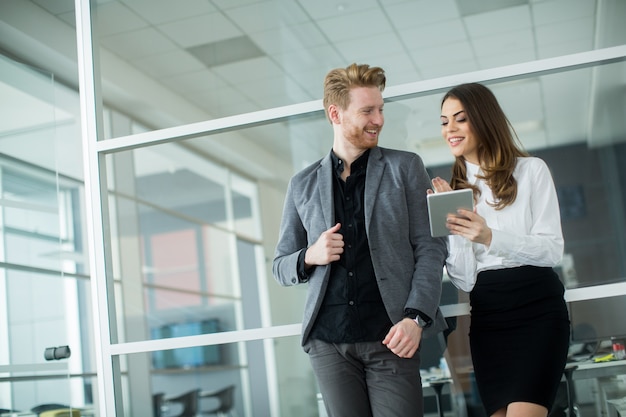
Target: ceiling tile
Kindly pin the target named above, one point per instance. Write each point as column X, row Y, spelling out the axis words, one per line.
column 197, row 81
column 298, row 62
column 470, row 7
column 114, row 17
column 550, row 50
column 138, row 43
column 56, row 6
column 311, row 80
column 442, row 55
column 548, row 12
column 200, row 30
column 259, row 17
column 221, row 102
column 458, row 67
column 322, row 9
column 274, row 92
column 367, row 49
column 410, row 14
column 161, row 11
column 289, row 38
column 504, row 43
column 498, row 21
column 398, row 68
column 507, row 57
column 250, row 70
column 566, row 31
column 226, row 51
column 168, row 64
column 355, row 25
column 442, row 33
column 233, row 4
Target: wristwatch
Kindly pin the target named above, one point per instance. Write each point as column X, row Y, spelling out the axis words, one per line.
column 421, row 322
column 418, row 317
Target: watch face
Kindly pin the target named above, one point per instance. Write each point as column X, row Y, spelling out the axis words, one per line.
column 421, row 322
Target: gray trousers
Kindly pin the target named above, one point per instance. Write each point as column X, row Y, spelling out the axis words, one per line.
column 366, row 380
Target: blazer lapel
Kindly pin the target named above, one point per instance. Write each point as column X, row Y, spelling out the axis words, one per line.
column 374, row 175
column 325, row 187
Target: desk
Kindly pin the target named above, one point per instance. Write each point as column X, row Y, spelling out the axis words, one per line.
column 589, row 369
column 606, row 384
column 617, row 407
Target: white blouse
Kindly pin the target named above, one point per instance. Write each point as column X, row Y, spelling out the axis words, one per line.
column 527, row 232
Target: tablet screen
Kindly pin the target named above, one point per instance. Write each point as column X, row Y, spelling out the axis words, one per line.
column 442, row 204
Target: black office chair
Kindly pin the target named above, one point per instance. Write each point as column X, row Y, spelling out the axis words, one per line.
column 226, row 402
column 39, row 409
column 157, row 404
column 187, row 401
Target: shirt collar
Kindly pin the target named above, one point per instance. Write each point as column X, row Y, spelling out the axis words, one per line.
column 358, row 165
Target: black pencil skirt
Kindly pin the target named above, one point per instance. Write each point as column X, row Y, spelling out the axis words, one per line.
column 519, row 336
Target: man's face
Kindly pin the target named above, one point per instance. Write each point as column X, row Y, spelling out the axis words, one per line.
column 363, row 120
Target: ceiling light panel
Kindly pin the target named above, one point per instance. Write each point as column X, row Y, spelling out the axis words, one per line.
column 226, row 51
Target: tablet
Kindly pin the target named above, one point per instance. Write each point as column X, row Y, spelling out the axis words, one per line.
column 442, row 204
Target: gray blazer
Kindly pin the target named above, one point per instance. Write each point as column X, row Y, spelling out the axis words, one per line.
column 408, row 262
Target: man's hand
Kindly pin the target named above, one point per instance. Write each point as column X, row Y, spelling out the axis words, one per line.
column 404, row 338
column 327, row 248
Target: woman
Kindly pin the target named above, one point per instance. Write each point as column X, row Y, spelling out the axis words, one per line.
column 503, row 253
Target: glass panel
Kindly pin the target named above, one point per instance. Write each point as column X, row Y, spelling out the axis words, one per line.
column 242, row 381
column 178, row 260
column 245, row 207
column 197, row 61
column 46, row 351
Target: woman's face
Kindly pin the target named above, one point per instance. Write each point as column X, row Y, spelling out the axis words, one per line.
column 457, row 131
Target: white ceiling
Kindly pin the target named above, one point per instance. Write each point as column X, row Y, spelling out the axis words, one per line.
column 150, row 72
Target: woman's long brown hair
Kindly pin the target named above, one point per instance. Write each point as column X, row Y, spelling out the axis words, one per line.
column 498, row 145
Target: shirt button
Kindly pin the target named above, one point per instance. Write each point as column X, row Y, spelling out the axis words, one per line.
column 350, row 274
column 351, row 303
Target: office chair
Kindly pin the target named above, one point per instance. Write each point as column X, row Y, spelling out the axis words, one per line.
column 188, row 401
column 42, row 408
column 157, row 404
column 226, row 403
column 572, row 407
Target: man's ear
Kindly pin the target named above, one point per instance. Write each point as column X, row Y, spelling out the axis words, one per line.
column 333, row 114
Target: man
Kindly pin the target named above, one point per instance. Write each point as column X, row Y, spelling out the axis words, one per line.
column 355, row 228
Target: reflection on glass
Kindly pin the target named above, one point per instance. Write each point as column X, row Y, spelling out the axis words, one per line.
column 244, row 380
column 175, row 220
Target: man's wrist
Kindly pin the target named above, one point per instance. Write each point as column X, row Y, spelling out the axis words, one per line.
column 418, row 317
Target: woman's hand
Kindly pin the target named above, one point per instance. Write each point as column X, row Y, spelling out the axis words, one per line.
column 440, row 185
column 470, row 225
column 464, row 223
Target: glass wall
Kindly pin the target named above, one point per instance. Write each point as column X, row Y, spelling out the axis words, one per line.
column 187, row 261
column 208, row 107
column 46, row 335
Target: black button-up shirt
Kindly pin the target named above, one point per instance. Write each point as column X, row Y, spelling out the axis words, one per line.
column 352, row 310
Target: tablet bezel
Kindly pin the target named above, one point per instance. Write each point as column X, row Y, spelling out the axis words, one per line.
column 443, row 203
